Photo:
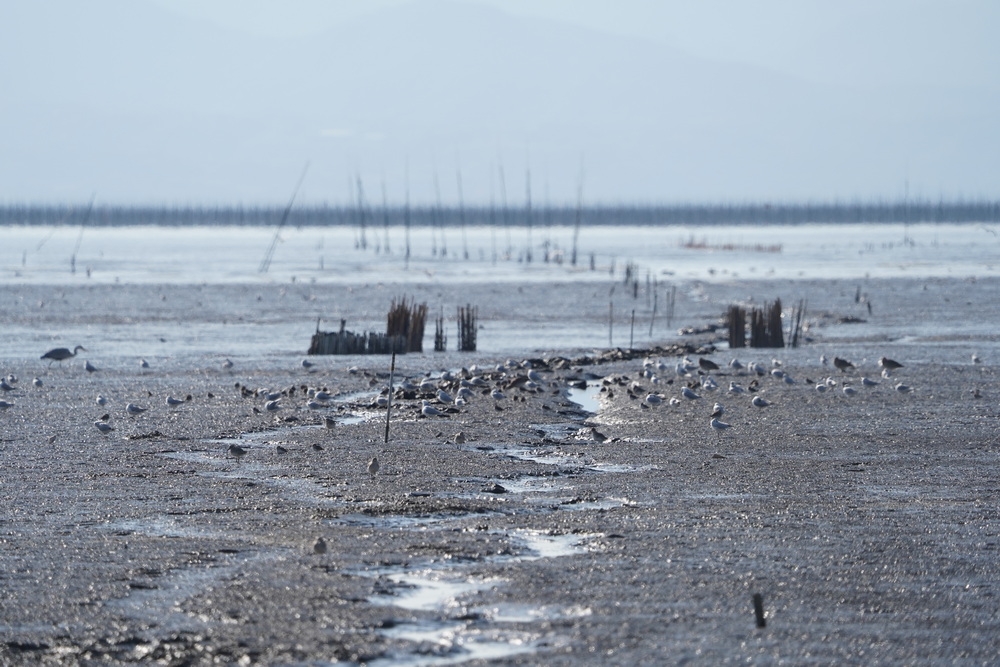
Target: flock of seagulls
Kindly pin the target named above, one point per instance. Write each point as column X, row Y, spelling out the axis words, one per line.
column 693, row 380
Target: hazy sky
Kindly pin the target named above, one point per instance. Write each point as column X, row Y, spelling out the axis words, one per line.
column 224, row 101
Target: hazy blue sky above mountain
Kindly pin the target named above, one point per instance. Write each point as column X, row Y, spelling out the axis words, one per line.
column 224, row 101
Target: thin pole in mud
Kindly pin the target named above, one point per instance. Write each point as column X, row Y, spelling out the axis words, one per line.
column 611, row 320
column 758, row 610
column 631, row 331
column 388, row 407
column 653, row 316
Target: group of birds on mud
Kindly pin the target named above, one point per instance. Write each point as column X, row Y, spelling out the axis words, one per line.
column 696, row 380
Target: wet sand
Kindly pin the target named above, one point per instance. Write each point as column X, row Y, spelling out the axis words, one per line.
column 569, row 526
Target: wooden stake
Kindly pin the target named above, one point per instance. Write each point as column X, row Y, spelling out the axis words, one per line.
column 758, row 610
column 388, row 407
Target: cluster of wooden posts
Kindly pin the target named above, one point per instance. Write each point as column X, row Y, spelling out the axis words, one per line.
column 404, row 333
column 766, row 328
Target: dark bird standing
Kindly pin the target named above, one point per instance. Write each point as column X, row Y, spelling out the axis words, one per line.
column 62, row 353
column 842, row 364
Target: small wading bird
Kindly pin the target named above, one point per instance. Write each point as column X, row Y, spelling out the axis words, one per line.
column 62, row 353
column 134, row 409
column 373, row 466
column 104, row 427
column 719, row 426
column 237, row 452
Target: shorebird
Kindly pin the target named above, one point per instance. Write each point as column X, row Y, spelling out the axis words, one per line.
column 306, row 364
column 903, row 388
column 143, row 363
column 314, row 405
column 821, row 387
column 688, row 394
column 89, row 366
column 719, row 426
column 429, row 410
column 868, row 382
column 674, row 401
column 62, row 354
column 459, row 438
column 101, row 400
column 735, row 364
column 735, row 388
column 653, row 399
column 5, row 404
column 5, row 386
column 236, row 452
column 272, row 406
column 889, row 364
column 717, row 410
column 37, row 382
column 227, row 364
column 760, row 402
column 842, row 364
column 329, row 422
column 174, row 402
column 104, row 427
column 319, row 546
column 975, row 358
column 134, row 409
column 373, row 466
column 707, row 364
column 497, row 395
column 849, row 390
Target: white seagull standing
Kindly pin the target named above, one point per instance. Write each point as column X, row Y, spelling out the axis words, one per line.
column 134, row 409
column 719, row 426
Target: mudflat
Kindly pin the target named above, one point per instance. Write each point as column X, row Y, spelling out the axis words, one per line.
column 569, row 520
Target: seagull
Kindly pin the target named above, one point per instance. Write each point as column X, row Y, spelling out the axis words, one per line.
column 674, row 401
column 37, row 382
column 429, row 410
column 760, row 402
column 687, row 393
column 382, row 400
column 889, row 364
column 719, row 426
column 104, row 427
column 237, row 452
column 717, row 410
column 143, row 363
column 321, row 395
column 272, row 406
column 444, row 396
column 61, row 353
column 821, row 387
column 227, row 364
column 842, row 364
column 314, row 405
column 373, row 466
column 134, row 409
column 849, row 390
column 5, row 386
column 101, row 400
column 868, row 382
column 306, row 364
column 735, row 364
column 653, row 399
column 174, row 402
column 497, row 395
column 735, row 388
column 903, row 388
column 5, row 404
column 975, row 358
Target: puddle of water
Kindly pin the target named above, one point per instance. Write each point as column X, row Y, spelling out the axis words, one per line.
column 542, row 545
column 618, row 467
column 160, row 605
column 602, row 504
column 426, row 591
column 541, row 456
column 158, row 526
column 453, row 644
column 394, row 520
column 589, row 398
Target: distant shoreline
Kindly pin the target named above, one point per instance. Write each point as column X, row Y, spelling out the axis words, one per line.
column 722, row 213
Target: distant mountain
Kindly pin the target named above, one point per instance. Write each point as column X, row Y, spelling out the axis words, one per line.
column 122, row 98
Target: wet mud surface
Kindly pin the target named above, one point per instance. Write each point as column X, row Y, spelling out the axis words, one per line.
column 570, row 521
